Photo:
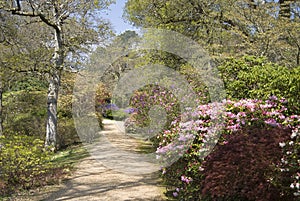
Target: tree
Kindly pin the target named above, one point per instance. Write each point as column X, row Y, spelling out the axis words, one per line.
column 120, row 44
column 59, row 16
column 227, row 27
column 23, row 55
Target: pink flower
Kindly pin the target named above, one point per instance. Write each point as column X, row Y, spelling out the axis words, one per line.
column 231, row 115
column 185, row 179
column 271, row 122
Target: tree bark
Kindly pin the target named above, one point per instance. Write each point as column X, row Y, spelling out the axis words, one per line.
column 54, row 83
column 52, row 97
column 285, row 9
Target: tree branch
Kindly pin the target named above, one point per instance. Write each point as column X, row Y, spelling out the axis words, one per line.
column 39, row 14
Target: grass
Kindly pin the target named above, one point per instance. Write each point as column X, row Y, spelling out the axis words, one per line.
column 70, row 156
column 65, row 159
column 146, row 147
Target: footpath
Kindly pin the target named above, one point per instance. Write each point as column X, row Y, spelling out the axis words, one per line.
column 98, row 181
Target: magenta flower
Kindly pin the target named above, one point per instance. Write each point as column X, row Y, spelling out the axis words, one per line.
column 271, row 122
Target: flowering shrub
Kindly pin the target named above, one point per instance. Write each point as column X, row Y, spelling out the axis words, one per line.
column 112, row 111
column 189, row 136
column 108, row 109
column 143, row 100
column 290, row 163
column 186, row 175
column 243, row 168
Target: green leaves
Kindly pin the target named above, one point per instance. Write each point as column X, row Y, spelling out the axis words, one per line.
column 254, row 77
column 225, row 28
column 22, row 160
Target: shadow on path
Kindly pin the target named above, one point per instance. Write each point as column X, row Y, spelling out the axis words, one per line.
column 94, row 180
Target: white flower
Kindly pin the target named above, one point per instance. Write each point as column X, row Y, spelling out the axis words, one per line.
column 291, row 143
column 281, row 144
column 292, row 186
column 297, row 185
column 294, row 133
column 284, row 161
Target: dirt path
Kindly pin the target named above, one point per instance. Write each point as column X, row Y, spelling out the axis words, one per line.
column 95, row 180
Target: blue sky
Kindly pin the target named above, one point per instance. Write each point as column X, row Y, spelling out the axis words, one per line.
column 114, row 15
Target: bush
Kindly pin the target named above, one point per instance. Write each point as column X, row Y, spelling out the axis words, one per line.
column 288, row 169
column 25, row 111
column 256, row 78
column 185, row 176
column 108, row 110
column 24, row 164
column 244, row 167
column 153, row 95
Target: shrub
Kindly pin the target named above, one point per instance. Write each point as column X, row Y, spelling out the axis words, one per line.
column 289, row 165
column 107, row 110
column 184, row 177
column 24, row 164
column 154, row 95
column 25, row 111
column 244, row 167
column 254, row 77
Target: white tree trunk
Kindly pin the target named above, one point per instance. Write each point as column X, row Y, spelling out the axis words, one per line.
column 51, row 129
column 54, row 83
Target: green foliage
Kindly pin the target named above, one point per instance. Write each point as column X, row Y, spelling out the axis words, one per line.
column 29, row 83
column 67, row 134
column 67, row 158
column 65, row 106
column 24, row 111
column 226, row 27
column 256, row 78
column 23, row 163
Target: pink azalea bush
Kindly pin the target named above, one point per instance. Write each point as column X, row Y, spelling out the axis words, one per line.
column 185, row 175
column 188, row 137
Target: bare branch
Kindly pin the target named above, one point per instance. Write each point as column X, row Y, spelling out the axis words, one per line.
column 35, row 13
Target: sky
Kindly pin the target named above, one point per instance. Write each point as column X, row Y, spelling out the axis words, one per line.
column 114, row 15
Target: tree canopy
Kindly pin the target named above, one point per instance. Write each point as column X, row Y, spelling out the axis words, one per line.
column 228, row 27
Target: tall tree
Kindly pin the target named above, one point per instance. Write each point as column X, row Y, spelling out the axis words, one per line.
column 227, row 27
column 60, row 17
column 22, row 54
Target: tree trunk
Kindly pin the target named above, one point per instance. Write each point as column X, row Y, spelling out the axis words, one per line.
column 285, row 8
column 51, row 129
column 52, row 98
column 298, row 56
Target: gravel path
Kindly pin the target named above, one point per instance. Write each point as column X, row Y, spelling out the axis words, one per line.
column 99, row 178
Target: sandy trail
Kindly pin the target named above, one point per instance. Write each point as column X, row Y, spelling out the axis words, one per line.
column 97, row 178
